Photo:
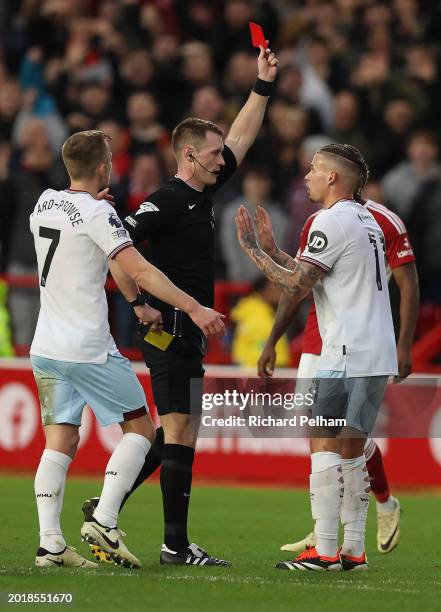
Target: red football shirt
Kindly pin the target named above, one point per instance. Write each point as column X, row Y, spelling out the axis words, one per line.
column 398, row 253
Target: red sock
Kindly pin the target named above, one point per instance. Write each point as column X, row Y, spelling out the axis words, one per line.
column 379, row 484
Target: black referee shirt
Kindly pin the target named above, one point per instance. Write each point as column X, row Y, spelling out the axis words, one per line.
column 178, row 221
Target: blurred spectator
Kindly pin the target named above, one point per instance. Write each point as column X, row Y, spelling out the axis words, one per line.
column 8, row 203
column 424, row 221
column 10, row 103
column 137, row 72
column 146, row 133
column 119, row 145
column 253, row 318
column 288, row 126
column 289, row 88
column 315, row 90
column 388, row 140
column 145, row 177
column 256, row 188
column 346, row 123
column 208, row 104
column 401, row 184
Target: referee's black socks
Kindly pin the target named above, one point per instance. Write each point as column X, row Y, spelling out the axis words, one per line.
column 152, row 461
column 176, row 477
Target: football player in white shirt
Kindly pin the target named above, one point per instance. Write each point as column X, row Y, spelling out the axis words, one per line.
column 78, row 236
column 344, row 266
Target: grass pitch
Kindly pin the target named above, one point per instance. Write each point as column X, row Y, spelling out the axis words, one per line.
column 244, row 525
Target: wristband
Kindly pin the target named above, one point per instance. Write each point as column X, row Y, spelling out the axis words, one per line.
column 263, row 88
column 139, row 301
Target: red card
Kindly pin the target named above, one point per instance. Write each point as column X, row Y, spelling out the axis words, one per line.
column 257, row 35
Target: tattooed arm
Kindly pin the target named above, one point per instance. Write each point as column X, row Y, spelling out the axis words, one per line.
column 296, row 282
column 267, row 241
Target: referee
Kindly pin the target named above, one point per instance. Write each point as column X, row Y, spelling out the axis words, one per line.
column 178, row 221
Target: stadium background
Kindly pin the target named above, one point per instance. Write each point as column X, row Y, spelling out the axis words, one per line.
column 356, row 71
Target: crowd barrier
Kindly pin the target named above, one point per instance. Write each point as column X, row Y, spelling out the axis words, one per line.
column 411, row 462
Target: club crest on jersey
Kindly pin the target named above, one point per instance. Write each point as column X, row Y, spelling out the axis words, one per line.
column 114, row 221
column 317, row 242
column 146, row 207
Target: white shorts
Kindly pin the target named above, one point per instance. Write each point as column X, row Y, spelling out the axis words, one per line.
column 306, row 373
column 111, row 389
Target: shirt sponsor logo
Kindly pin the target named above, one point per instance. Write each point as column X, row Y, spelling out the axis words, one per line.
column 131, row 221
column 364, row 217
column 114, row 221
column 317, row 242
column 146, row 207
column 407, row 253
column 122, row 233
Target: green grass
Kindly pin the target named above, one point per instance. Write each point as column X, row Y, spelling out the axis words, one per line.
column 245, row 525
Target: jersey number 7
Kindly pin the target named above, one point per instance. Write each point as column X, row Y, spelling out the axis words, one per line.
column 54, row 235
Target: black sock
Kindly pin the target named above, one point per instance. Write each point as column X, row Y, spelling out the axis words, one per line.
column 176, row 476
column 152, row 461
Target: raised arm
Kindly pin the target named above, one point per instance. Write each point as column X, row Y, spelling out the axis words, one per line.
column 246, row 126
column 267, row 240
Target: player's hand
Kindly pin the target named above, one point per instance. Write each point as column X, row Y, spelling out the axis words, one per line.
column 149, row 316
column 265, row 365
column 265, row 233
column 207, row 319
column 404, row 356
column 245, row 230
column 267, row 65
column 105, row 194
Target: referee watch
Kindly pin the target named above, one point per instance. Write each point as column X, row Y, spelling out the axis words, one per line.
column 140, row 300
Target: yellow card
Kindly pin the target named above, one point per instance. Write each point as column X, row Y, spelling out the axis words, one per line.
column 161, row 341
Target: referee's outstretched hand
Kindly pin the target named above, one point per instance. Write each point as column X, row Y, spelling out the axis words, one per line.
column 207, row 319
column 267, row 63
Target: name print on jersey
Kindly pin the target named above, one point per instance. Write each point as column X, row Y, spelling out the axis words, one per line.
column 64, row 206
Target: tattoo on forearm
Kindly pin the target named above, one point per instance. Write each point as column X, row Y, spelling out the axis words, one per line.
column 284, row 260
column 296, row 282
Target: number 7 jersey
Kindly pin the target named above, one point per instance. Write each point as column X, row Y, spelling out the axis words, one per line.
column 352, row 299
column 75, row 235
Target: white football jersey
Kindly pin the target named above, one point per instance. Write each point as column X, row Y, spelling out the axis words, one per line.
column 75, row 235
column 352, row 299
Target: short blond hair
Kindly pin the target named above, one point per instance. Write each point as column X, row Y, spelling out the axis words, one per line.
column 83, row 152
column 192, row 131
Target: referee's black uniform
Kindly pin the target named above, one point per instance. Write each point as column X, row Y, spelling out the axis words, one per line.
column 178, row 220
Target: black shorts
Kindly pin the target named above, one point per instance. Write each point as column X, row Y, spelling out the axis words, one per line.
column 177, row 373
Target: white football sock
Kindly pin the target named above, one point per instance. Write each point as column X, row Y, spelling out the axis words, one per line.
column 49, row 483
column 326, row 486
column 369, row 448
column 355, row 505
column 121, row 472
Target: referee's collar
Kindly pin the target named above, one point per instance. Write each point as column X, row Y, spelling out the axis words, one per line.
column 188, row 184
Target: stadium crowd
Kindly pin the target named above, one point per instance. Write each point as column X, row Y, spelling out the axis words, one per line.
column 356, row 71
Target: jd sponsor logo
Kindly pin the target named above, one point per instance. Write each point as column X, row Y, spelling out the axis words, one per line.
column 317, row 242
